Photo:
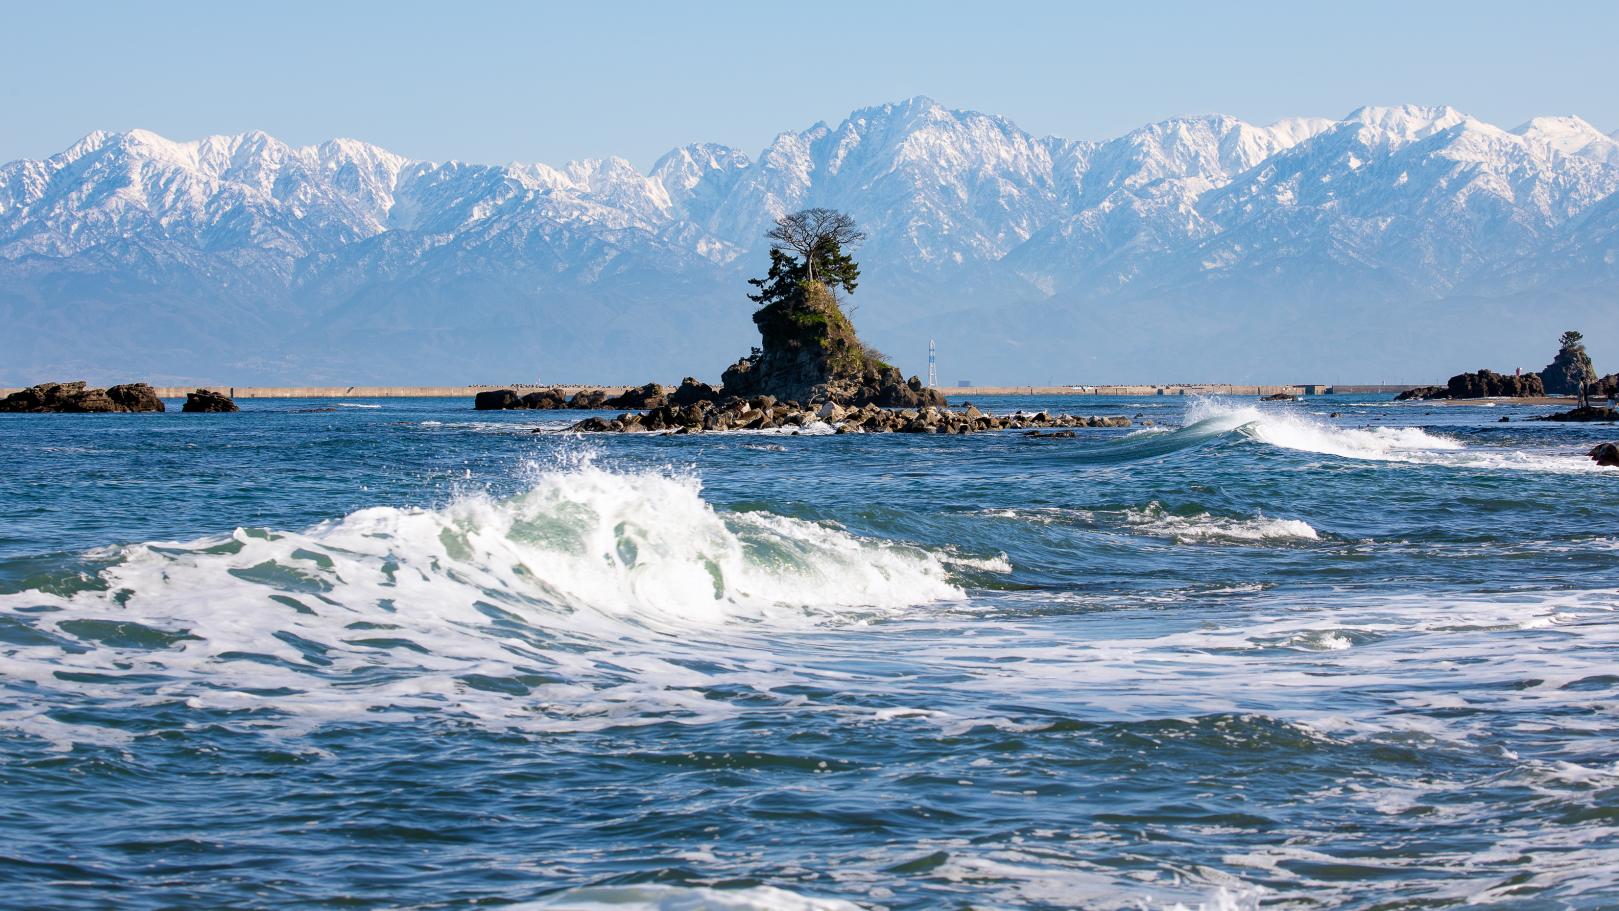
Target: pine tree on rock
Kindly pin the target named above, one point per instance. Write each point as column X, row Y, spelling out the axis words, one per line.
column 810, row 351
column 1571, row 371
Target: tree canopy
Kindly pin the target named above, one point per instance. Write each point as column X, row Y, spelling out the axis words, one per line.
column 810, row 245
column 1571, row 339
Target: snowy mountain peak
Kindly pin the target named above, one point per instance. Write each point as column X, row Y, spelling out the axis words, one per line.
column 1404, row 123
column 1572, row 135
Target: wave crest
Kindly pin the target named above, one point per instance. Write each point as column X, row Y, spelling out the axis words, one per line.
column 588, row 600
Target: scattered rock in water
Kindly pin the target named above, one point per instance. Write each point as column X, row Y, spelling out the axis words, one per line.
column 552, row 399
column 1504, row 420
column 496, row 400
column 1421, row 393
column 766, row 413
column 1585, row 413
column 1605, row 455
column 1280, row 397
column 77, row 398
column 135, row 397
column 207, row 401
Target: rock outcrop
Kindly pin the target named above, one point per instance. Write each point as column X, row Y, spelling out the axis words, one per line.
column 1605, row 455
column 651, row 395
column 544, row 400
column 1480, row 385
column 77, row 398
column 135, row 397
column 207, row 401
column 765, row 413
column 1567, row 370
column 692, row 392
column 1577, row 415
column 809, row 353
column 588, row 399
column 539, row 400
column 497, row 400
column 1421, row 393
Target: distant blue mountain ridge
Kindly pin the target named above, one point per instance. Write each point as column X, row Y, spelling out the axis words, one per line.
column 1398, row 244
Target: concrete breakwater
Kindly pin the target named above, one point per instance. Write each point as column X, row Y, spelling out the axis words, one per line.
column 1135, row 390
column 358, row 392
column 955, row 392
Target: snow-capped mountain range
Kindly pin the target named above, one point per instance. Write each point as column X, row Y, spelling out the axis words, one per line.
column 1398, row 243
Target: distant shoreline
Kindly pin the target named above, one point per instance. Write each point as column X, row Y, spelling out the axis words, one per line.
column 963, row 392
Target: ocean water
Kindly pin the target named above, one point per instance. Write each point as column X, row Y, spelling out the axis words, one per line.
column 399, row 654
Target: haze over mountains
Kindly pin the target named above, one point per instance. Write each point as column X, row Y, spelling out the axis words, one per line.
column 1396, row 244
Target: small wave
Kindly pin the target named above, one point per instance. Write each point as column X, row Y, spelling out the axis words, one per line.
column 354, row 405
column 685, row 898
column 1203, row 527
column 1291, row 430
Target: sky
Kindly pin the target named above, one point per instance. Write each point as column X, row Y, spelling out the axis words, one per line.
column 500, row 82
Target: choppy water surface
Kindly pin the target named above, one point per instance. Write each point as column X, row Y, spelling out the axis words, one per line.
column 414, row 656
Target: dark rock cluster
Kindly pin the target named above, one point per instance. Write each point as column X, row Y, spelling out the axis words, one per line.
column 207, row 401
column 1483, row 384
column 764, row 412
column 77, row 398
column 1585, row 413
column 1605, row 455
column 554, row 399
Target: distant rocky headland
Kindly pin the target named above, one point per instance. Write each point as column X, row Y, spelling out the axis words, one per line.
column 1571, row 373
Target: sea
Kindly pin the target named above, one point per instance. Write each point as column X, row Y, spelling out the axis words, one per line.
column 395, row 653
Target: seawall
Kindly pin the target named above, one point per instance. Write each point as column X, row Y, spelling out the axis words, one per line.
column 358, row 392
column 954, row 392
column 967, row 392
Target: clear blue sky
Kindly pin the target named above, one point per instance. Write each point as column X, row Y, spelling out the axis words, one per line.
column 497, row 82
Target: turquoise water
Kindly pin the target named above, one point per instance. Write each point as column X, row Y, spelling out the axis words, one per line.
column 405, row 655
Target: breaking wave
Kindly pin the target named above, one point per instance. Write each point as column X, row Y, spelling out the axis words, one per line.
column 1288, row 429
column 591, row 594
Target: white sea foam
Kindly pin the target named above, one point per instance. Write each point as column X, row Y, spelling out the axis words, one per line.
column 1204, row 527
column 1291, row 430
column 590, row 594
column 652, row 897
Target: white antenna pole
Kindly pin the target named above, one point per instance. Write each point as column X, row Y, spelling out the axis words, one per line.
column 933, row 365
